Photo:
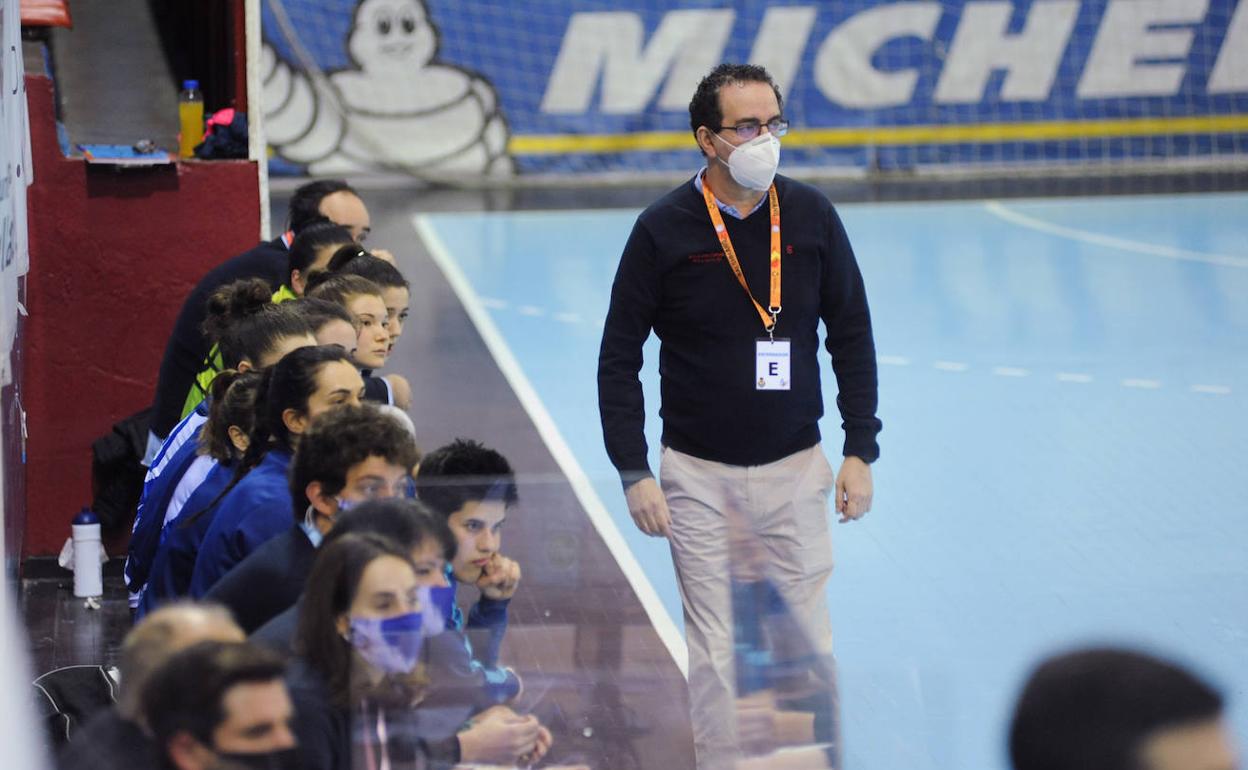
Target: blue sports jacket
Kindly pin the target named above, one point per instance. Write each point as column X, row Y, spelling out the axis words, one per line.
column 258, row 509
column 170, row 576
column 167, row 470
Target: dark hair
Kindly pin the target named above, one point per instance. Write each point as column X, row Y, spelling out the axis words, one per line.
column 187, row 693
column 340, row 288
column 288, row 384
column 407, row 522
column 332, row 584
column 305, row 203
column 312, row 239
column 232, row 402
column 340, row 257
column 344, row 255
column 375, row 269
column 245, row 324
column 464, row 471
column 318, row 312
column 1095, row 708
column 704, row 108
column 341, row 439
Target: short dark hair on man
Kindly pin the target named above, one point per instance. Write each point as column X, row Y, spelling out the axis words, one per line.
column 341, row 439
column 1093, row 709
column 464, row 471
column 407, row 522
column 186, row 693
column 305, row 203
column 704, row 109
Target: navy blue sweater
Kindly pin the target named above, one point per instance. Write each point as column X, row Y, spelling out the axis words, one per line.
column 673, row 279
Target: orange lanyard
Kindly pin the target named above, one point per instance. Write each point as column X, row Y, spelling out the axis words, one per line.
column 767, row 315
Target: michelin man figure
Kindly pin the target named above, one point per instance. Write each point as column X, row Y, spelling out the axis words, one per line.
column 398, row 110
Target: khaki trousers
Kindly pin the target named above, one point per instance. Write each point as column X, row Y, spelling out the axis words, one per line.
column 784, row 506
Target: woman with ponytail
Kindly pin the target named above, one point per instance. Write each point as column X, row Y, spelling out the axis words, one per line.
column 223, row 442
column 256, row 505
column 311, row 252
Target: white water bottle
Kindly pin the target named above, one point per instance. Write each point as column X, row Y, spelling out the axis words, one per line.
column 88, row 573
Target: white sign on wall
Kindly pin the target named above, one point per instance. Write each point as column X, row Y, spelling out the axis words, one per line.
column 15, row 176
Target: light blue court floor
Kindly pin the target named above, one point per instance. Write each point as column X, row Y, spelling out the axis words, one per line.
column 1064, row 389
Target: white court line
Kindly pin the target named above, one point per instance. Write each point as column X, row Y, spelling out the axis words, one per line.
column 893, row 360
column 530, row 310
column 1010, row 371
column 1217, row 390
column 559, row 449
column 494, row 304
column 1073, row 377
column 951, row 366
column 1122, row 244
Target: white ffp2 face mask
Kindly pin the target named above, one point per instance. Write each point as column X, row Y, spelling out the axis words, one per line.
column 753, row 164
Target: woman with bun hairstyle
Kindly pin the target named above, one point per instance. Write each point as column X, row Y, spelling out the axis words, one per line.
column 252, row 333
column 242, row 322
column 224, row 440
column 256, row 505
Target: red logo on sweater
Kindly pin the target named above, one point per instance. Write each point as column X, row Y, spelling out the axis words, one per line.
column 707, row 258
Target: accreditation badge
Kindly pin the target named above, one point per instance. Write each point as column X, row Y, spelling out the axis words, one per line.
column 771, row 364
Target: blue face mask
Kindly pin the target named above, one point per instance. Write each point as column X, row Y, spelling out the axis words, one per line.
column 443, row 597
column 391, row 645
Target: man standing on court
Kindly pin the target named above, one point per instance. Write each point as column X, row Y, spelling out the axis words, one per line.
column 733, row 271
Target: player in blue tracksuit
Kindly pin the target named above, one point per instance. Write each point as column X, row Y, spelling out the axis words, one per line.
column 306, row 383
column 171, row 571
column 168, row 469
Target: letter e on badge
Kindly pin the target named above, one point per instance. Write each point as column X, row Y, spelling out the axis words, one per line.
column 771, row 364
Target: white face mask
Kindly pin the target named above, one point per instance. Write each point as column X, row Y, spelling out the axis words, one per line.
column 753, row 164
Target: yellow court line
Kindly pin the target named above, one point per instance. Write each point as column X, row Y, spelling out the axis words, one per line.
column 554, row 144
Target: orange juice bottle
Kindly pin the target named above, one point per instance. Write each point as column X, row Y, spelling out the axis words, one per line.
column 191, row 118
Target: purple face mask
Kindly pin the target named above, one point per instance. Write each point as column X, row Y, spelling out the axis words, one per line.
column 391, row 645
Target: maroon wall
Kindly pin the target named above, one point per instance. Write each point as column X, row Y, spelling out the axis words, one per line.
column 112, row 256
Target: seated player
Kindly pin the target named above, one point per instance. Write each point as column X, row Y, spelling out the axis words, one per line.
column 348, row 455
column 301, row 387
column 359, row 680
column 472, row 487
column 225, row 437
column 365, row 301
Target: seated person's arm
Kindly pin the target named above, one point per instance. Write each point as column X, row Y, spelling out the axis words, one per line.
column 456, row 678
column 400, row 390
column 488, row 618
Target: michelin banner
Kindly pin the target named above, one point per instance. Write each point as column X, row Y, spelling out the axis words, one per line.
column 495, row 88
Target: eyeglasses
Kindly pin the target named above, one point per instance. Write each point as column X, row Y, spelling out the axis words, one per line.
column 376, row 490
column 750, row 128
